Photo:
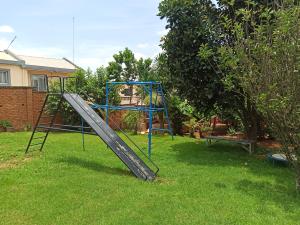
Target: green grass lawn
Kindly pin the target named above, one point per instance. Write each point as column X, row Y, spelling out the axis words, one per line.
column 218, row 185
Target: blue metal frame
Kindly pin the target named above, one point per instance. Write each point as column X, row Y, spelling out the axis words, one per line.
column 149, row 87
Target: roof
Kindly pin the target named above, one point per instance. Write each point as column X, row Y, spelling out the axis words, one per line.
column 37, row 63
column 5, row 56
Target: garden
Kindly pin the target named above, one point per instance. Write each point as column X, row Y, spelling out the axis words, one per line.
column 197, row 184
column 230, row 76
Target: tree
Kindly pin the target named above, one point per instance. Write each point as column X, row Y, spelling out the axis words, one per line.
column 124, row 66
column 267, row 63
column 192, row 24
column 86, row 84
column 189, row 24
column 144, row 70
column 200, row 80
column 132, row 119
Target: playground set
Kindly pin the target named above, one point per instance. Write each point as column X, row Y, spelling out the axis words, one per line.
column 150, row 88
column 137, row 160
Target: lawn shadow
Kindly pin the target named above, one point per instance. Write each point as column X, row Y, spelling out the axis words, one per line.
column 221, row 154
column 92, row 165
column 218, row 154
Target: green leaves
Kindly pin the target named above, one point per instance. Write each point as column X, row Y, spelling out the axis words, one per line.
column 205, row 52
column 89, row 83
column 268, row 70
column 126, row 67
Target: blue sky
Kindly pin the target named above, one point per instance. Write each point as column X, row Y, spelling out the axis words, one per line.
column 102, row 28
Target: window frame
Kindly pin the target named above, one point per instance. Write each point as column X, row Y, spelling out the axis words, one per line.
column 36, row 77
column 8, row 78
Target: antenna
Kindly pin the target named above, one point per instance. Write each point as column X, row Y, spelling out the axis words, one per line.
column 73, row 39
column 11, row 42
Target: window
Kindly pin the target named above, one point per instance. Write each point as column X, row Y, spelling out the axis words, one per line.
column 38, row 82
column 4, row 78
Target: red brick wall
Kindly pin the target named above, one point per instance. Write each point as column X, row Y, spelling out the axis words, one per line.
column 38, row 99
column 21, row 106
column 16, row 106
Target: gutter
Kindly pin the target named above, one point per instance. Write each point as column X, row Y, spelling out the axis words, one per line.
column 20, row 61
column 51, row 69
column 10, row 62
column 69, row 61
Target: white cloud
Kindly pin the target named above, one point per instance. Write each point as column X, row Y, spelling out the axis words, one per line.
column 139, row 55
column 3, row 43
column 163, row 32
column 143, row 45
column 6, row 29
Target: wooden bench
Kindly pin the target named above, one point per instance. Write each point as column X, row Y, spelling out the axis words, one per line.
column 248, row 145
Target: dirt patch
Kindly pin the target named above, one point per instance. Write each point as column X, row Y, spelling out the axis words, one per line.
column 161, row 180
column 269, row 144
column 13, row 163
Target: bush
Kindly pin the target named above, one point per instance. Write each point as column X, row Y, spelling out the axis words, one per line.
column 5, row 124
column 131, row 119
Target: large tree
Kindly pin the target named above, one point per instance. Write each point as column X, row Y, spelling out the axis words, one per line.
column 266, row 61
column 195, row 24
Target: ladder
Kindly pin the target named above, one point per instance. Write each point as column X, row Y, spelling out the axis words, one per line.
column 160, row 94
column 41, row 130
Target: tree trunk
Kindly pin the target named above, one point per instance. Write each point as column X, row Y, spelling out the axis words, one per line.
column 261, row 133
column 250, row 120
column 131, row 93
column 252, row 129
column 161, row 119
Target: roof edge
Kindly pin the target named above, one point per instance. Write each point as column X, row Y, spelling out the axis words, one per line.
column 10, row 62
column 53, row 69
column 69, row 61
column 22, row 62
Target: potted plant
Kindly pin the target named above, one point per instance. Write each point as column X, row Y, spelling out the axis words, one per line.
column 192, row 125
column 5, row 125
column 206, row 131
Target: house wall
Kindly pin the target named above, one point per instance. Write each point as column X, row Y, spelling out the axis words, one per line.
column 19, row 104
column 18, row 75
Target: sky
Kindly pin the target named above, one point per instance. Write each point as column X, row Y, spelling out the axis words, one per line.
column 102, row 28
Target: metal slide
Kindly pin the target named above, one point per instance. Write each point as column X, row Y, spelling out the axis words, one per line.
column 110, row 137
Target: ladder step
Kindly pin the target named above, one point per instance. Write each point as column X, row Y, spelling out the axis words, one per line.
column 37, row 131
column 38, row 137
column 37, row 144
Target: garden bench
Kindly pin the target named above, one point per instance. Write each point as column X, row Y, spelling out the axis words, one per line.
column 248, row 145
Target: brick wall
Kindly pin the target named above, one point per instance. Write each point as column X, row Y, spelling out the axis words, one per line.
column 21, row 106
column 16, row 106
column 38, row 99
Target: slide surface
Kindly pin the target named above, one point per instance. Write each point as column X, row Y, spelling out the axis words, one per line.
column 110, row 137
